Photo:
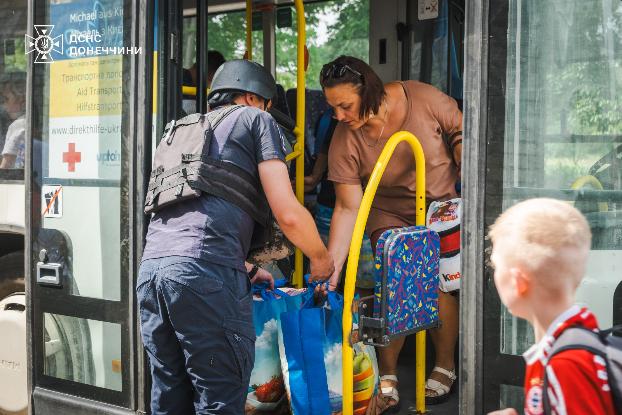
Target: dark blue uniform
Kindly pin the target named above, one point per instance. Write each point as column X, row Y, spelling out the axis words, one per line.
column 193, row 291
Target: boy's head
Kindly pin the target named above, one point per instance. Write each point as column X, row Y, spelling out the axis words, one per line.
column 540, row 250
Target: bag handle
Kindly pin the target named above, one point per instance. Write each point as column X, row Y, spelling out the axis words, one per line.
column 267, row 294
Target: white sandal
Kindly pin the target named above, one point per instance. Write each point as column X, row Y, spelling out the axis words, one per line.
column 390, row 393
column 441, row 390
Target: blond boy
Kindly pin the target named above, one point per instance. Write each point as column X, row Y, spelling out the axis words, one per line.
column 540, row 251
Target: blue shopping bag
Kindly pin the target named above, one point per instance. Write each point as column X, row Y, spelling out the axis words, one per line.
column 310, row 343
column 266, row 389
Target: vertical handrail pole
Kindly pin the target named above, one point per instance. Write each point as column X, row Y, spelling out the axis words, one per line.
column 249, row 30
column 353, row 259
column 299, row 131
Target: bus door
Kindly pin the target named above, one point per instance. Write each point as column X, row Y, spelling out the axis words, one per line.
column 547, row 124
column 83, row 177
column 433, row 46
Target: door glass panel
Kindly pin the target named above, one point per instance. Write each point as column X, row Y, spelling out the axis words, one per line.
column 81, row 350
column 78, row 151
column 563, row 133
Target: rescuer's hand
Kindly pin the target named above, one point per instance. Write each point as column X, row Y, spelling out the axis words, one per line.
column 263, row 276
column 322, row 267
column 508, row 411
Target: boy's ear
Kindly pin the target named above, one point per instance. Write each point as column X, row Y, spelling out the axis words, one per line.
column 522, row 282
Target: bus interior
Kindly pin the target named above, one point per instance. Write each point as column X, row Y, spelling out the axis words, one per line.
column 539, row 84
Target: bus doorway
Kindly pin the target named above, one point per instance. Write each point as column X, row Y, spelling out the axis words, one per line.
column 542, row 88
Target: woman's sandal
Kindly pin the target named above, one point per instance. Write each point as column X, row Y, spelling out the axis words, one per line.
column 441, row 390
column 389, row 393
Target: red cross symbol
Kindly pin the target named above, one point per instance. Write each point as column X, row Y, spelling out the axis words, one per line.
column 71, row 157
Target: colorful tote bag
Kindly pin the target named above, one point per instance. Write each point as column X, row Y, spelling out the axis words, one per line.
column 266, row 393
column 406, row 292
column 310, row 342
column 444, row 218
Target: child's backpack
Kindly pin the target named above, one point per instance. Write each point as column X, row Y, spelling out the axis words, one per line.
column 606, row 343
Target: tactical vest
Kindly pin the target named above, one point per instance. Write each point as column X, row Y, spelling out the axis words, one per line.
column 183, row 168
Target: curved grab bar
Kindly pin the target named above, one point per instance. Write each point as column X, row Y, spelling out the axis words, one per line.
column 353, row 260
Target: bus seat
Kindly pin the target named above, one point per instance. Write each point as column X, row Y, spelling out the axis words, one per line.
column 280, row 102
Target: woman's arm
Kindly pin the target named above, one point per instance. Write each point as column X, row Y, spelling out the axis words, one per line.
column 349, row 198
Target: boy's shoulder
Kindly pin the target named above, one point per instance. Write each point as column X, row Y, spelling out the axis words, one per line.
column 577, row 378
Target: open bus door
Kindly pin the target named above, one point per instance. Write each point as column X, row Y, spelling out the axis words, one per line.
column 84, row 181
column 542, row 85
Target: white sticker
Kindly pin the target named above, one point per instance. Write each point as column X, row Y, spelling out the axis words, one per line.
column 428, row 9
column 52, row 201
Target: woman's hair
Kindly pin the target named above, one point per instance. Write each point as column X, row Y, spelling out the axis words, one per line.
column 350, row 70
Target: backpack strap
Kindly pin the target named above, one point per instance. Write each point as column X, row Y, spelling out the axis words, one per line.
column 573, row 338
column 218, row 115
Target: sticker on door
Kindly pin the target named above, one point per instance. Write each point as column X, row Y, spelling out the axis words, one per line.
column 428, row 9
column 52, row 201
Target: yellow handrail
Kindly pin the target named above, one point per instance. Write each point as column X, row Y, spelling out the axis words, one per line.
column 353, row 260
column 299, row 131
column 249, row 30
column 593, row 182
column 191, row 90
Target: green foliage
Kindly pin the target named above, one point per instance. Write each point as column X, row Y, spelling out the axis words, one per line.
column 333, row 28
column 17, row 61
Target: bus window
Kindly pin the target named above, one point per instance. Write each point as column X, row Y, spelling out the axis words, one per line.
column 333, row 28
column 227, row 35
column 561, row 136
column 12, row 89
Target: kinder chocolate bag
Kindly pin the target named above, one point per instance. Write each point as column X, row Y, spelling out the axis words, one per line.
column 266, row 393
column 444, row 218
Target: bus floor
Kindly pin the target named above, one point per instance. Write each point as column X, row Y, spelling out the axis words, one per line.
column 406, row 375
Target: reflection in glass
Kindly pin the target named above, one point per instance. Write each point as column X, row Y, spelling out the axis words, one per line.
column 511, row 397
column 81, row 350
column 13, row 21
column 563, row 131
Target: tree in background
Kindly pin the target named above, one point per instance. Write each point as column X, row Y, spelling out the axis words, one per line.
column 333, row 28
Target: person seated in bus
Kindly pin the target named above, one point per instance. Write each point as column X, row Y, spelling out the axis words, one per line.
column 214, row 60
column 194, row 289
column 190, row 77
column 12, row 92
column 540, row 249
column 369, row 113
column 325, row 201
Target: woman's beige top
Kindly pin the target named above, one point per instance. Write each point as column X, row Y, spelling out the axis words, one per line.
column 351, row 159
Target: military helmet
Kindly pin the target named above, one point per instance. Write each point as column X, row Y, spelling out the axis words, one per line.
column 244, row 76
